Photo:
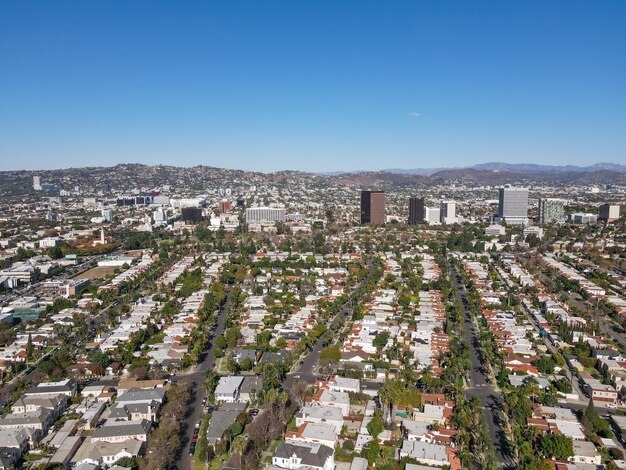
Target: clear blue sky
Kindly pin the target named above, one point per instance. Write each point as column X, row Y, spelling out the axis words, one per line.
column 311, row 85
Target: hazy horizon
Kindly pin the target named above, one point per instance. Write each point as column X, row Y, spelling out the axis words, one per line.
column 330, row 172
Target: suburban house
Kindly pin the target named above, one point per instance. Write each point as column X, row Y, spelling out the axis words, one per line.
column 227, row 389
column 117, row 431
column 101, row 453
column 296, row 455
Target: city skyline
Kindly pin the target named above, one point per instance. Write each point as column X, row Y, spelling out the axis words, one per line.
column 313, row 235
column 257, row 88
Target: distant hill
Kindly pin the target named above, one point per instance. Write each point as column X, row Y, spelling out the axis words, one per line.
column 415, row 171
column 535, row 168
column 131, row 177
column 514, row 167
column 504, row 176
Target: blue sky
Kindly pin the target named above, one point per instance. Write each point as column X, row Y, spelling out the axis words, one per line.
column 311, row 85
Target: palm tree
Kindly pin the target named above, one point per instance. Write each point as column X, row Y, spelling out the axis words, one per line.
column 426, row 378
column 240, row 443
column 389, row 395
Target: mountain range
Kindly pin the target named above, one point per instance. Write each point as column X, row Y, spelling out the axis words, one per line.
column 125, row 177
column 513, row 167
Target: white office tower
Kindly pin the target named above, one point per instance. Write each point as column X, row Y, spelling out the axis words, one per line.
column 447, row 212
column 159, row 216
column 513, row 207
column 36, row 183
column 551, row 211
column 431, row 215
column 107, row 215
column 265, row 214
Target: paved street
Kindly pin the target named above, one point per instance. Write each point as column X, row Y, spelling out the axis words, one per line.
column 307, row 370
column 481, row 387
column 196, row 378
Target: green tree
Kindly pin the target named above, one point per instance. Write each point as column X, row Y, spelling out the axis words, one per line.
column 220, row 342
column 100, row 358
column 375, row 426
column 380, row 341
column 240, row 443
column 372, row 452
column 55, row 252
column 557, row 446
column 331, row 354
column 232, row 335
column 30, row 349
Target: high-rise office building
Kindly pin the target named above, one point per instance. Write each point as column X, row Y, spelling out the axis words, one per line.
column 447, row 212
column 513, row 207
column 107, row 215
column 551, row 211
column 265, row 214
column 36, row 183
column 432, row 215
column 224, row 206
column 191, row 214
column 416, row 210
column 609, row 213
column 373, row 207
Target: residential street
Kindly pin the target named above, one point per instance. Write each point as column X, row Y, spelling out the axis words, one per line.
column 481, row 387
column 196, row 378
